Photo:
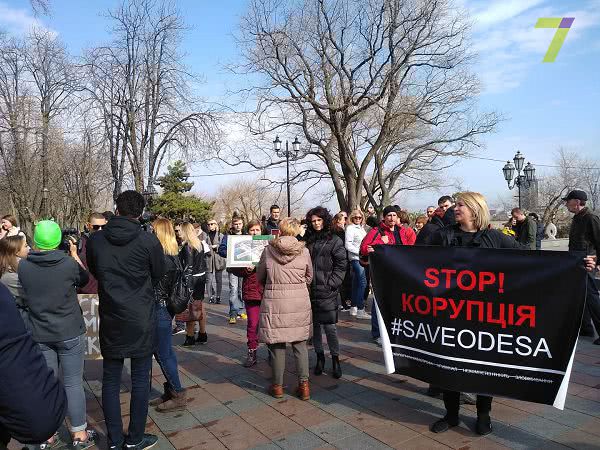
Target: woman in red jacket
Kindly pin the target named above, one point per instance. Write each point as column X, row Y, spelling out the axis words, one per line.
column 252, row 292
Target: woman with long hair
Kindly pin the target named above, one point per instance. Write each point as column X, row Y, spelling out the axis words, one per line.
column 329, row 262
column 8, row 227
column 285, row 271
column 12, row 250
column 339, row 229
column 355, row 233
column 193, row 254
column 174, row 396
column 471, row 230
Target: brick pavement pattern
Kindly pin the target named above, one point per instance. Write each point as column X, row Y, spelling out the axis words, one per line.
column 228, row 407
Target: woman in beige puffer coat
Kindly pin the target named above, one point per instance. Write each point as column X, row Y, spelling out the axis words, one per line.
column 285, row 270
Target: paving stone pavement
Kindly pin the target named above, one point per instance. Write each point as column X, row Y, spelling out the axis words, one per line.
column 228, row 407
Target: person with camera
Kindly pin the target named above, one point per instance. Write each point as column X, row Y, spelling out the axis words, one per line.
column 96, row 222
column 128, row 263
column 49, row 278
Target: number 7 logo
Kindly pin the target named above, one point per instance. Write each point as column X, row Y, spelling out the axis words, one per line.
column 563, row 25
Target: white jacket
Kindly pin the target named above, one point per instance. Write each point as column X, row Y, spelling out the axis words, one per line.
column 354, row 236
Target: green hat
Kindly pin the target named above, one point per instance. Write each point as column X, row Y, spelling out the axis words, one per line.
column 47, row 235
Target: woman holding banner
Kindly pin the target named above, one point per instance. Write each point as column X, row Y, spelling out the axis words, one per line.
column 471, row 230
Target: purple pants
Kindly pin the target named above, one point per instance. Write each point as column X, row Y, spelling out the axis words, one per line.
column 253, row 311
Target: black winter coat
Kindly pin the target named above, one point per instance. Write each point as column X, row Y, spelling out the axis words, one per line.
column 329, row 261
column 127, row 262
column 50, row 280
column 447, row 237
column 32, row 400
column 164, row 288
column 429, row 229
column 584, row 234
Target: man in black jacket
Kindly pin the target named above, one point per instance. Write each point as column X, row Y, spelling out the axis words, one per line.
column 127, row 262
column 441, row 217
column 584, row 235
column 272, row 223
column 32, row 400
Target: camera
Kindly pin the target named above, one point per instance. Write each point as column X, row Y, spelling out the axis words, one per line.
column 70, row 235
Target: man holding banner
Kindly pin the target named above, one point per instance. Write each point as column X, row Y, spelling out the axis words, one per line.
column 480, row 319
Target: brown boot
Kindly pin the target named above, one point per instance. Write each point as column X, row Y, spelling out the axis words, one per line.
column 178, row 401
column 303, row 391
column 276, row 390
column 163, row 398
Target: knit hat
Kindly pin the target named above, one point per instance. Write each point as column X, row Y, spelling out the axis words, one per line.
column 47, row 235
column 389, row 209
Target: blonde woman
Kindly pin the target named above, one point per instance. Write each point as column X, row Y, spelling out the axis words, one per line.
column 471, row 230
column 285, row 271
column 193, row 254
column 355, row 233
column 174, row 396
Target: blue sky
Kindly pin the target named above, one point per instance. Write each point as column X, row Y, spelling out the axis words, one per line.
column 546, row 105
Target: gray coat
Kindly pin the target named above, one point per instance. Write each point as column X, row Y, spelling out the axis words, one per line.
column 214, row 262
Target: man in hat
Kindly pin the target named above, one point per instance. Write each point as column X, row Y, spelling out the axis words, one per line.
column 585, row 236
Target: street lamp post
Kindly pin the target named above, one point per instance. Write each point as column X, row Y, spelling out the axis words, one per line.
column 296, row 149
column 524, row 179
column 44, row 208
column 149, row 193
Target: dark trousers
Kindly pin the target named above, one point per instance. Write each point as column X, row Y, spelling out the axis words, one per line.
column 138, row 406
column 591, row 312
column 452, row 404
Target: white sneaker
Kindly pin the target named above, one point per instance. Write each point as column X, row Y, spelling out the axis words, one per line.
column 378, row 341
column 353, row 311
column 361, row 314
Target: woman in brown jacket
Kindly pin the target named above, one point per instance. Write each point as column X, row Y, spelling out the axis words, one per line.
column 285, row 270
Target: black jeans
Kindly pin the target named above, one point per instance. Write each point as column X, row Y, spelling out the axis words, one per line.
column 452, row 404
column 138, row 406
column 592, row 307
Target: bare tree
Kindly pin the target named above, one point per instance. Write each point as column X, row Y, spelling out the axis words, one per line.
column 40, row 7
column 380, row 89
column 152, row 107
column 47, row 62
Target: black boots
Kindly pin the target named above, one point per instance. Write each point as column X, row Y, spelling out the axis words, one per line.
column 337, row 369
column 320, row 364
column 189, row 341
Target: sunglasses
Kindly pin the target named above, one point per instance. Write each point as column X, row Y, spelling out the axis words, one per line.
column 97, row 227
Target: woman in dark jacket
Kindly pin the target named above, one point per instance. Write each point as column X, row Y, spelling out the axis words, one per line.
column 174, row 397
column 329, row 262
column 471, row 230
column 193, row 254
column 339, row 229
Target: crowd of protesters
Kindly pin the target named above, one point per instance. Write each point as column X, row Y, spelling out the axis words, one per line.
column 313, row 270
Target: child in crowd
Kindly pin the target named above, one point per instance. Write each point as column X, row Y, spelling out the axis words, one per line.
column 252, row 292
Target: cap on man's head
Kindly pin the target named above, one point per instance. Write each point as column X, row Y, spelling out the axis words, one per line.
column 47, row 235
column 389, row 209
column 576, row 195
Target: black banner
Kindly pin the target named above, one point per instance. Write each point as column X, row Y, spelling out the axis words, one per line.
column 485, row 321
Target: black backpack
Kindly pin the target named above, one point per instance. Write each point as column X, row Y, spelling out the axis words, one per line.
column 183, row 288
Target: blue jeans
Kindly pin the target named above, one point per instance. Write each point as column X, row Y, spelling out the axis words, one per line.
column 374, row 321
column 359, row 283
column 68, row 357
column 236, row 305
column 165, row 356
column 138, row 405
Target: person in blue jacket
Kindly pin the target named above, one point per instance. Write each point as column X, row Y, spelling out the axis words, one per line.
column 33, row 402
